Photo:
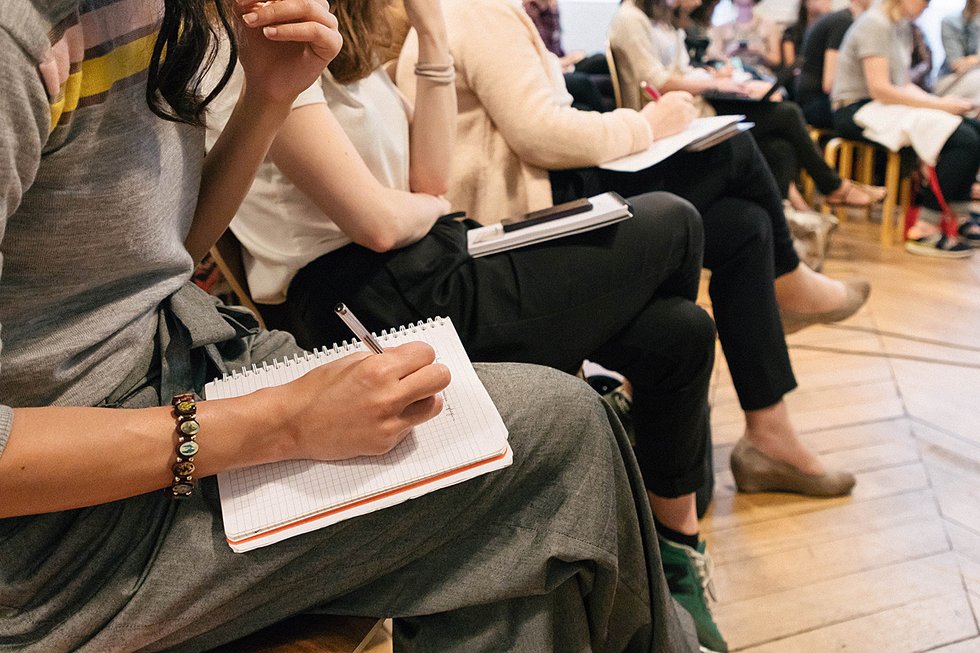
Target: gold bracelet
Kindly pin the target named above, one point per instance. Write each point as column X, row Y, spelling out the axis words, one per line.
column 185, row 412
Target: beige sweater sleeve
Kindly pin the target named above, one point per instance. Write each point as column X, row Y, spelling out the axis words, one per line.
column 501, row 59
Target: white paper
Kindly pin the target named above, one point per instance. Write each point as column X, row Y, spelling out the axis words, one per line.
column 663, row 148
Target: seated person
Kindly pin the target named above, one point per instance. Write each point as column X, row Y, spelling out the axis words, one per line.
column 95, row 555
column 348, row 208
column 819, row 54
column 791, row 44
column 697, row 33
column 960, row 72
column 523, row 147
column 873, row 66
column 748, row 40
column 587, row 77
column 647, row 41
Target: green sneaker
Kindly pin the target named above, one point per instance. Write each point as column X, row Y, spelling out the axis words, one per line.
column 688, row 575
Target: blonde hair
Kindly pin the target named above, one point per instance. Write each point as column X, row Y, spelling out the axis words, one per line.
column 364, row 26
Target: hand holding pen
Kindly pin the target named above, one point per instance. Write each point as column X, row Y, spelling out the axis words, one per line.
column 670, row 114
column 650, row 91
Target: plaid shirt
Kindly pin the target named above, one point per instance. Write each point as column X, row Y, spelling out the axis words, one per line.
column 544, row 15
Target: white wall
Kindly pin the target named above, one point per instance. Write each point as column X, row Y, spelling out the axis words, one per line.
column 584, row 22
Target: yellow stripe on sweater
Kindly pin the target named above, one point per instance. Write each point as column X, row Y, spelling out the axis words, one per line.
column 97, row 75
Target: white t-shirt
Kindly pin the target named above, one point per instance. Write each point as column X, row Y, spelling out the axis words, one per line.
column 280, row 228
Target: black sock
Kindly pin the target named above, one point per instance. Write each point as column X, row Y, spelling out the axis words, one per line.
column 674, row 536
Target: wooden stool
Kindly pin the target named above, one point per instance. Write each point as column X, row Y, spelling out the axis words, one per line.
column 839, row 154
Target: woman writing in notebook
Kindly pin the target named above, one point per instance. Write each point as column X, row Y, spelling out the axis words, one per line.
column 95, row 556
column 371, row 234
column 646, row 37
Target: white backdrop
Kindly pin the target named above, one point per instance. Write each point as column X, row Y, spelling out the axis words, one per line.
column 584, row 22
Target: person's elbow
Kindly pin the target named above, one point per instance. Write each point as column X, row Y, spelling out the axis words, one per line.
column 378, row 233
column 881, row 92
column 430, row 184
column 379, row 241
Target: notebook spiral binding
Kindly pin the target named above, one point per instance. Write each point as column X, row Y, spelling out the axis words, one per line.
column 346, row 347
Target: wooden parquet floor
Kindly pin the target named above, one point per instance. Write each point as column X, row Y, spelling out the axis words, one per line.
column 891, row 394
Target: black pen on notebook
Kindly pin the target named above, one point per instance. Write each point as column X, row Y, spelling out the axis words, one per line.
column 359, row 329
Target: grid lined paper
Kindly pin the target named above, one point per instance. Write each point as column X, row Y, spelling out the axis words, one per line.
column 270, row 497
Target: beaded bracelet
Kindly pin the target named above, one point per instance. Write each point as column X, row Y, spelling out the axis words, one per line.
column 185, row 412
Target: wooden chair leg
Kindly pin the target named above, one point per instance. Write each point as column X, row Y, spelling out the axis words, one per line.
column 892, row 184
column 831, row 154
column 845, row 170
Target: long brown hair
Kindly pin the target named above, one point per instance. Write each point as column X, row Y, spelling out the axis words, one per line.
column 366, row 32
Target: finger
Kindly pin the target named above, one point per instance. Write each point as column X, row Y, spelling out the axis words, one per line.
column 288, row 11
column 422, row 411
column 424, row 383
column 408, row 358
column 324, row 41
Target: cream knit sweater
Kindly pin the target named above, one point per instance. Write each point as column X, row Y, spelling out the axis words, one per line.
column 515, row 121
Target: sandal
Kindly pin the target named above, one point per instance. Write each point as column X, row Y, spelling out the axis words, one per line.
column 855, row 194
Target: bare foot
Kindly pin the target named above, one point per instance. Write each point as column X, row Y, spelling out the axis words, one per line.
column 770, row 431
column 796, row 199
column 806, row 291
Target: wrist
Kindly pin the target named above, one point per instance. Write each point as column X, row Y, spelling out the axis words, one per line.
column 262, row 111
column 273, row 422
column 434, row 47
column 243, row 432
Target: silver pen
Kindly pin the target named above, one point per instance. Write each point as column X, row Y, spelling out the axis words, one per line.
column 359, row 329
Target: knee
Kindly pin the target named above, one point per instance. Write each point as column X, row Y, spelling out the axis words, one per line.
column 966, row 139
column 788, row 112
column 669, row 212
column 690, row 335
column 549, row 412
column 699, row 328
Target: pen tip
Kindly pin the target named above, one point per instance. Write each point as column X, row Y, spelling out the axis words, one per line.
column 340, row 308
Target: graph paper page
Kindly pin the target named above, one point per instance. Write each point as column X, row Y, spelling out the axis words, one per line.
column 289, row 497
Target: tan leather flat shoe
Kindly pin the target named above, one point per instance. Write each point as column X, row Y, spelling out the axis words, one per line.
column 857, row 295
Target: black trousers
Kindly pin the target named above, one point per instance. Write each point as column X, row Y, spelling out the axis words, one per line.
column 956, row 167
column 622, row 296
column 780, row 129
column 747, row 245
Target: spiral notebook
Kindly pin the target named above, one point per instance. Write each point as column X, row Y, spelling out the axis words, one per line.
column 269, row 503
